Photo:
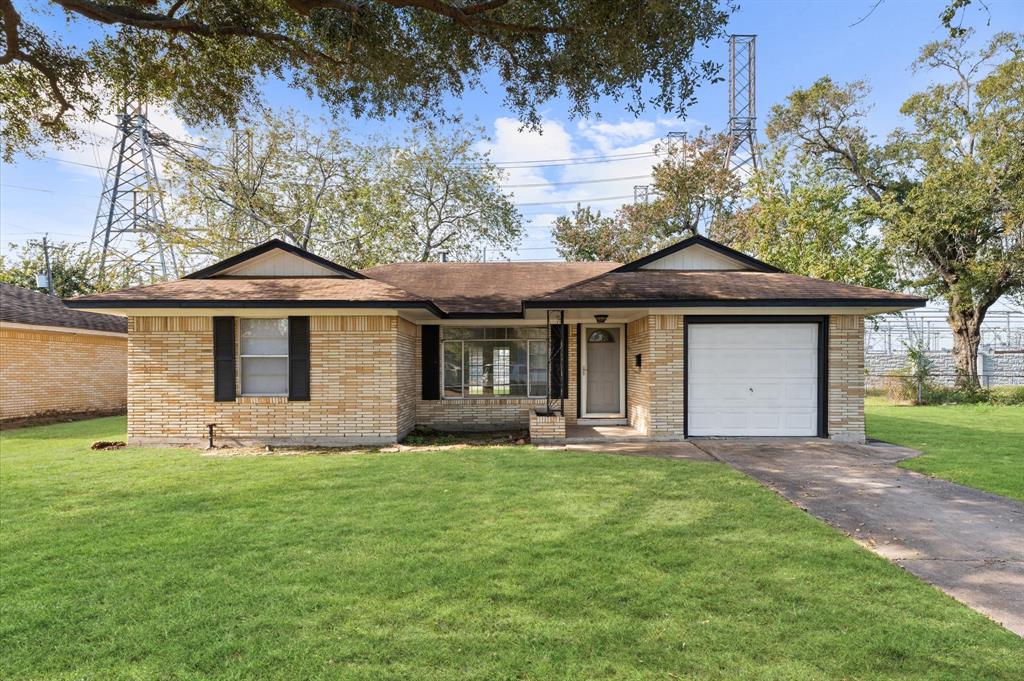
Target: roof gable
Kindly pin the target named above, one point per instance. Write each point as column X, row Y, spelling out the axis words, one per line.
column 698, row 253
column 275, row 258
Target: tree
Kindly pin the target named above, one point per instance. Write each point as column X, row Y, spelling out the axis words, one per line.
column 377, row 58
column 357, row 203
column 68, row 264
column 949, row 191
column 588, row 235
column 447, row 196
column 691, row 191
column 801, row 222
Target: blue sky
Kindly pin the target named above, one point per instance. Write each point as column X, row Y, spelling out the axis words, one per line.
column 798, row 42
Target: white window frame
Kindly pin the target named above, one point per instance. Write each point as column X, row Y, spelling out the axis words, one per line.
column 242, row 358
column 462, row 369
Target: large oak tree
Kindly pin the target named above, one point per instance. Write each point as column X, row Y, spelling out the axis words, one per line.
column 210, row 58
column 949, row 190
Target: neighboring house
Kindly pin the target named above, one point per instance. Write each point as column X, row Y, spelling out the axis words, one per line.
column 59, row 362
column 276, row 345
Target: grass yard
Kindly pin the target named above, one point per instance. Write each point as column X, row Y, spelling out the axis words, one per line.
column 974, row 444
column 487, row 563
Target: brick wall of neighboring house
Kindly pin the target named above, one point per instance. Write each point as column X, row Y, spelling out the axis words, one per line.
column 49, row 373
column 846, row 377
column 354, row 378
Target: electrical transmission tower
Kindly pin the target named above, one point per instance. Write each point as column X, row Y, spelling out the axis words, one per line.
column 129, row 236
column 742, row 156
column 641, row 193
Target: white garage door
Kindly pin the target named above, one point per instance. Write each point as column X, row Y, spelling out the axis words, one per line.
column 752, row 379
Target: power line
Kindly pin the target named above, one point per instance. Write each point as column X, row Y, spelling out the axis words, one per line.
column 583, row 200
column 604, row 179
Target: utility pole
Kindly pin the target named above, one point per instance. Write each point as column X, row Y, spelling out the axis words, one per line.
column 741, row 158
column 130, row 233
column 46, row 259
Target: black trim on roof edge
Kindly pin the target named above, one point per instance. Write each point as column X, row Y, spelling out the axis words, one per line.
column 142, row 304
column 768, row 302
column 698, row 240
column 266, row 247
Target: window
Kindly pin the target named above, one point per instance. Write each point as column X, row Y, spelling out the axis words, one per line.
column 263, row 349
column 600, row 336
column 494, row 362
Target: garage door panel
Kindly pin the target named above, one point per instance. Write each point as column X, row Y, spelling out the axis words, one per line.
column 752, row 379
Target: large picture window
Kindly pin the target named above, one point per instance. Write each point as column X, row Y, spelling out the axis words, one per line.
column 494, row 362
column 263, row 350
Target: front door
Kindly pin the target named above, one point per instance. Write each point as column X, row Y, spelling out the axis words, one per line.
column 603, row 386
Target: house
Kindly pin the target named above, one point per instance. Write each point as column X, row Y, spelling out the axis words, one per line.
column 58, row 362
column 277, row 345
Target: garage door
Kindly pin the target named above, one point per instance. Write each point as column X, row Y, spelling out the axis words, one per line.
column 752, row 379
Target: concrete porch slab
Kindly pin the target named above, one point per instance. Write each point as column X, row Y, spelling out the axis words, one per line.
column 579, row 434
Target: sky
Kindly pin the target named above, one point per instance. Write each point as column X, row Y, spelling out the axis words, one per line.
column 798, row 41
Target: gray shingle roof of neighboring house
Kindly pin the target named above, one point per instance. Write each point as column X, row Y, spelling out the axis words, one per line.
column 21, row 306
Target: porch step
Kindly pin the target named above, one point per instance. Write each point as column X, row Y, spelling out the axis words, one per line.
column 583, row 434
column 602, row 422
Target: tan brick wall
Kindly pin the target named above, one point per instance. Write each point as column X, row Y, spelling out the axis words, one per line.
column 638, row 387
column 353, row 383
column 546, row 428
column 654, row 391
column 44, row 373
column 408, row 369
column 846, row 377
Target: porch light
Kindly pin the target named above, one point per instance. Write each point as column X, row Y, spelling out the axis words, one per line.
column 600, row 318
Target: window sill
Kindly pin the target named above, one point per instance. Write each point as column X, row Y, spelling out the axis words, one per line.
column 492, row 398
column 262, row 399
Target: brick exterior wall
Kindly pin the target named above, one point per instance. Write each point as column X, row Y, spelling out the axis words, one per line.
column 654, row 391
column 846, row 377
column 354, row 380
column 52, row 373
column 546, row 428
column 366, row 385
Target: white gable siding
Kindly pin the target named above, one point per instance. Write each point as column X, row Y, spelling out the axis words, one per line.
column 277, row 263
column 695, row 258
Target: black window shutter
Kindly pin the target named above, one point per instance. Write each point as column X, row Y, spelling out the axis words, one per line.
column 560, row 372
column 298, row 359
column 224, row 359
column 430, row 359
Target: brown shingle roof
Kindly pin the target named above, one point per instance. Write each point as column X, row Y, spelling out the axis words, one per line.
column 718, row 286
column 481, row 288
column 22, row 306
column 223, row 292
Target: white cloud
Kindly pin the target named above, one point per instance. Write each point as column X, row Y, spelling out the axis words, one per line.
column 612, row 159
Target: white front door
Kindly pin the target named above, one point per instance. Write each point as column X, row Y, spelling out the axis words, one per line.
column 603, row 385
column 752, row 379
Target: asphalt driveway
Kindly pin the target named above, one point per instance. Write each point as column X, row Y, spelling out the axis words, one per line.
column 966, row 542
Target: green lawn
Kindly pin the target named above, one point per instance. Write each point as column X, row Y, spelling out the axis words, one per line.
column 973, row 444
column 489, row 564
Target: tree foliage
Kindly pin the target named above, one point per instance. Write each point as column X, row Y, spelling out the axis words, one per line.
column 360, row 203
column 948, row 191
column 69, row 266
column 691, row 191
column 798, row 220
column 209, row 58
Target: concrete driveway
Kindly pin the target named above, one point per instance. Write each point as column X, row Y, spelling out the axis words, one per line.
column 968, row 543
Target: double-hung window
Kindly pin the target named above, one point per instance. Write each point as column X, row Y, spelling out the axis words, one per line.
column 494, row 362
column 263, row 350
